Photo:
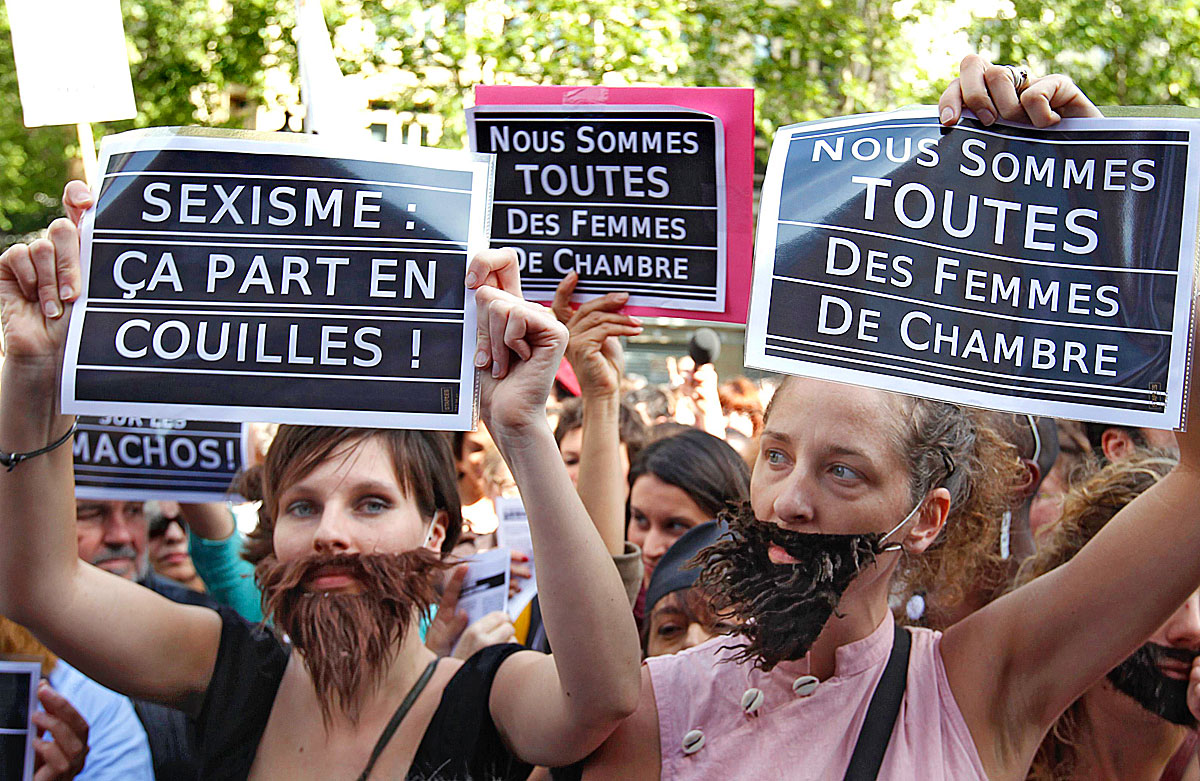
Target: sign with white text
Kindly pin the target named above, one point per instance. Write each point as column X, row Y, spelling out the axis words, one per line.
column 633, row 196
column 1038, row 271
column 279, row 278
column 72, row 63
column 155, row 458
column 18, row 702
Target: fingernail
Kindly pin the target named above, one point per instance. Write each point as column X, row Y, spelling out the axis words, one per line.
column 636, row 321
column 481, row 357
column 947, row 115
column 621, row 296
column 66, row 293
column 986, row 117
column 496, row 370
column 52, row 309
column 472, row 279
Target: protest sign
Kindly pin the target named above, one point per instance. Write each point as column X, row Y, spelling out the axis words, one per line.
column 1037, row 271
column 485, row 589
column 18, row 702
column 514, row 533
column 641, row 190
column 279, row 278
column 156, row 458
column 92, row 83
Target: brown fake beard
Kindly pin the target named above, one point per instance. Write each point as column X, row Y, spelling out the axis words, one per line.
column 348, row 641
column 780, row 609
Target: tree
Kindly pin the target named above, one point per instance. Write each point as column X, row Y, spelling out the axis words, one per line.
column 1124, row 52
column 185, row 56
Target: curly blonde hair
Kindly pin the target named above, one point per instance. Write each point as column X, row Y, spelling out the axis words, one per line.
column 1087, row 507
column 954, row 447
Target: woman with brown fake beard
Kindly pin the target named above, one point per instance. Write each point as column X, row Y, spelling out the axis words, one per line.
column 853, row 489
column 354, row 521
column 1131, row 723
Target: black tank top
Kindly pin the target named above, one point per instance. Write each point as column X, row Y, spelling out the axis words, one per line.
column 460, row 744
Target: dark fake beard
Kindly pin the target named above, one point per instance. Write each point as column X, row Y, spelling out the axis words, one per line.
column 780, row 608
column 348, row 641
column 1140, row 678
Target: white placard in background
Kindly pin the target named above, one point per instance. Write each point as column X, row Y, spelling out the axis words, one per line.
column 72, row 64
column 485, row 589
column 513, row 533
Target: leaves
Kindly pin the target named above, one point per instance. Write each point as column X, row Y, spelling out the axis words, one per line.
column 1124, row 52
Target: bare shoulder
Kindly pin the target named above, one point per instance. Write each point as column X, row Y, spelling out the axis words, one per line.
column 632, row 751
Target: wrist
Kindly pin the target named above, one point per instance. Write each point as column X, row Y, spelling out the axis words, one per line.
column 514, row 442
column 601, row 401
column 40, row 373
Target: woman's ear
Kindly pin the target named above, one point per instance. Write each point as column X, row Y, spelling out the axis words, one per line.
column 930, row 520
column 436, row 534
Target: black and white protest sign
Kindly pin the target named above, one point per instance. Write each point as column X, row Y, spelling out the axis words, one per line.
column 1047, row 272
column 156, row 458
column 630, row 197
column 18, row 701
column 279, row 278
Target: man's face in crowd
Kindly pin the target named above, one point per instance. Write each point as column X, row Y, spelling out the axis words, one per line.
column 113, row 536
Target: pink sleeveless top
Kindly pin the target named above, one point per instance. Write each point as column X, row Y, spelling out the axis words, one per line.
column 801, row 731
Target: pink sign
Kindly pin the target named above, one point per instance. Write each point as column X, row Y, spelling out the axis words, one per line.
column 646, row 190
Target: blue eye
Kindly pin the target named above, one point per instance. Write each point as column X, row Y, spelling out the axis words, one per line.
column 301, row 509
column 374, row 506
column 843, row 472
column 774, row 457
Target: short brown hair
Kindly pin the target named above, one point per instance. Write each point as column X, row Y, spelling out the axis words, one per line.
column 422, row 461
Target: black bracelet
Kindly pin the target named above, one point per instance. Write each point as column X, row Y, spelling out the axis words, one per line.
column 11, row 460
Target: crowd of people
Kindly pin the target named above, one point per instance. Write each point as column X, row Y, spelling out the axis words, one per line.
column 771, row 578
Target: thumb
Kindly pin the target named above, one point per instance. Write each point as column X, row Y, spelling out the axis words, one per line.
column 562, row 297
column 449, row 600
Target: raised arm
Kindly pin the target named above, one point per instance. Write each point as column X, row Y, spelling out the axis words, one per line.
column 116, row 632
column 553, row 710
column 594, row 352
column 1018, row 663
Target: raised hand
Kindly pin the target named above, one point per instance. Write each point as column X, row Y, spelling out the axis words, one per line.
column 594, row 349
column 991, row 92
column 520, row 347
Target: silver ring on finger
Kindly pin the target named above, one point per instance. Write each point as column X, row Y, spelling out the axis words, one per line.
column 1020, row 76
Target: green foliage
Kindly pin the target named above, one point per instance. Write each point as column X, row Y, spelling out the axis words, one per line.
column 184, row 54
column 1123, row 52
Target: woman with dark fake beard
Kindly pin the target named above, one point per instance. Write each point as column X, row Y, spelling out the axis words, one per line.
column 1130, row 723
column 354, row 523
column 854, row 488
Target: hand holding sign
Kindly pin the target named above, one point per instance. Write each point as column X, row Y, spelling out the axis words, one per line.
column 990, row 91
column 36, row 281
column 514, row 394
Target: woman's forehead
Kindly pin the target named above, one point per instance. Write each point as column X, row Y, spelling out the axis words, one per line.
column 804, row 406
column 360, row 460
